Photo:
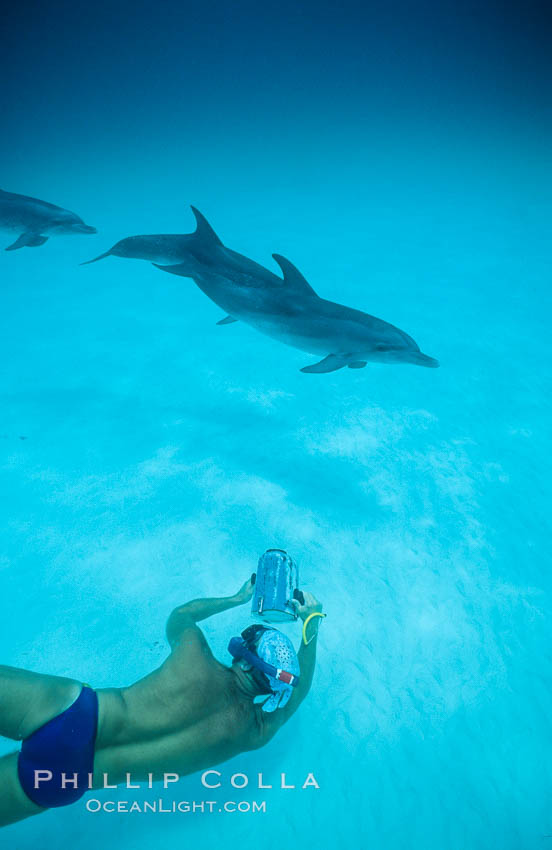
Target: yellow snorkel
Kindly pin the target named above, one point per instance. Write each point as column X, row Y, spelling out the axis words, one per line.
column 307, row 621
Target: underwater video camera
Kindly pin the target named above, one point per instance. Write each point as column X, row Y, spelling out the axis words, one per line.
column 276, row 586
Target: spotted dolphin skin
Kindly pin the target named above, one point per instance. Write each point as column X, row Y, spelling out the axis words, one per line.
column 289, row 309
column 35, row 221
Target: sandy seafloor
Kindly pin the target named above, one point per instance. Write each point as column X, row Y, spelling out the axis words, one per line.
column 149, row 456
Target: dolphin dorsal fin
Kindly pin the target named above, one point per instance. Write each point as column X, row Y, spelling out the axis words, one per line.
column 204, row 231
column 293, row 277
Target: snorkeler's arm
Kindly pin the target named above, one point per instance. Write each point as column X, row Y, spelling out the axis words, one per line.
column 307, row 662
column 186, row 616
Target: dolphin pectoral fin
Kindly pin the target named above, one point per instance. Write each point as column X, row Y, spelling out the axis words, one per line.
column 293, row 277
column 95, row 260
column 357, row 364
column 228, row 320
column 27, row 240
column 182, row 269
column 35, row 240
column 331, row 363
column 203, row 230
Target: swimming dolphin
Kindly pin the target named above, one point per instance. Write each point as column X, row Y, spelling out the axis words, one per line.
column 200, row 250
column 288, row 308
column 196, row 251
column 32, row 219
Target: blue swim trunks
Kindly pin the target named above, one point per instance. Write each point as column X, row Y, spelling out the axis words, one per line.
column 64, row 745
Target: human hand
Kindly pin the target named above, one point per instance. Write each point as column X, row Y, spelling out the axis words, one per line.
column 310, row 606
column 245, row 592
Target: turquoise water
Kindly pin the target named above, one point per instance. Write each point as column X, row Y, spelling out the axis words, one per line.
column 149, row 456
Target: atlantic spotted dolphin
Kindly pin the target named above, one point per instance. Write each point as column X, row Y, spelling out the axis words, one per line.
column 36, row 220
column 197, row 251
column 289, row 310
column 202, row 253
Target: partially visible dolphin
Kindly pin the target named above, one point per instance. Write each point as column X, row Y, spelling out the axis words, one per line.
column 289, row 309
column 198, row 251
column 32, row 219
column 203, row 250
column 164, row 248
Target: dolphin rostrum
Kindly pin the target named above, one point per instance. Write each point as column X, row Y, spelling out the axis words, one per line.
column 289, row 309
column 32, row 219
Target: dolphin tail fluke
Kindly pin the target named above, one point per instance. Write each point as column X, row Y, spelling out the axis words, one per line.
column 27, row 240
column 95, row 260
column 331, row 363
column 203, row 230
